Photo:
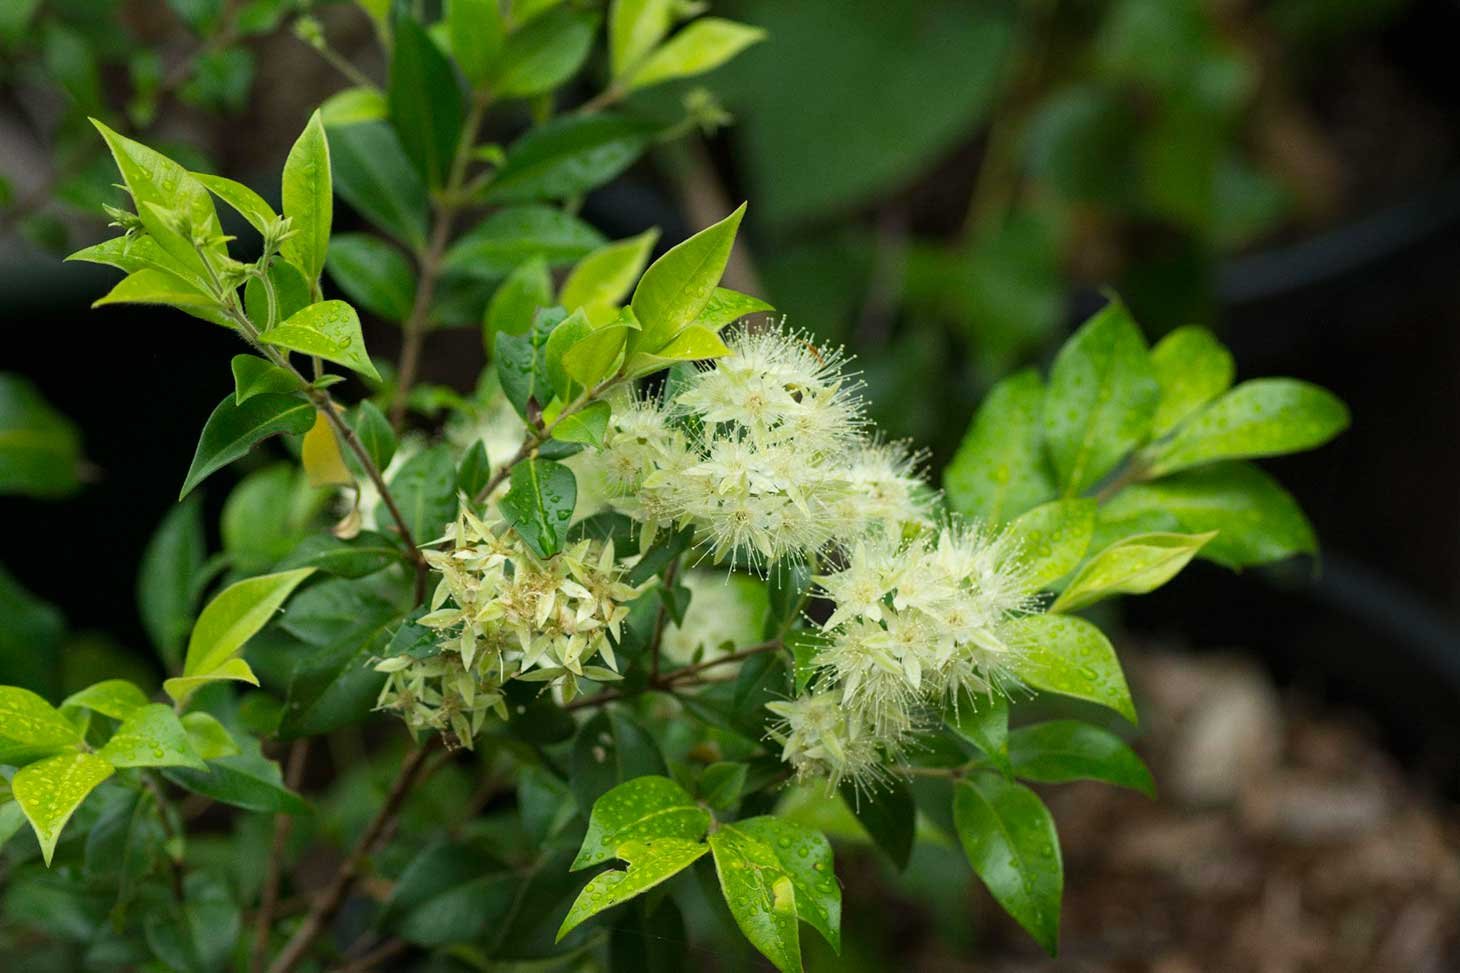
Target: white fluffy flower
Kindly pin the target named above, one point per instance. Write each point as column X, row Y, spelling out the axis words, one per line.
column 822, row 740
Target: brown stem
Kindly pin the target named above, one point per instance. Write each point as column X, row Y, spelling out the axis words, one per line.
column 1135, row 471
column 385, row 951
column 679, row 678
column 688, row 672
column 348, row 873
column 283, row 823
column 175, row 868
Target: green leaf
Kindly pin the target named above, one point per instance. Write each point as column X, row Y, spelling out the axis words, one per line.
column 208, row 738
column 565, row 334
column 125, row 253
column 40, row 449
column 373, row 174
column 1131, row 566
column 539, row 504
column 167, row 582
column 375, row 434
column 308, row 200
column 475, row 28
column 228, row 621
column 329, row 330
column 1053, row 538
column 702, row 46
column 116, row 698
column 425, row 490
column 678, row 286
column 151, row 286
column 1101, row 400
column 353, row 106
column 610, row 749
column 450, row 894
column 247, row 203
column 722, row 782
column 984, row 722
column 151, row 736
column 545, row 52
column 635, row 27
column 806, row 857
column 1257, row 521
column 510, row 311
column 522, row 364
column 1066, row 750
column 270, row 511
column 1192, row 368
column 889, row 817
column 254, row 376
column 587, row 425
column 726, row 307
column 1010, row 840
column 248, row 780
column 233, row 428
column 650, row 862
column 31, row 728
column 373, row 274
column 425, row 102
column 1068, row 655
column 1000, row 470
column 474, row 471
column 760, row 894
column 567, row 157
column 598, row 355
column 510, row 236
column 50, row 791
column 601, row 280
column 692, row 344
column 360, row 556
column 642, row 809
column 292, row 293
column 1263, row 417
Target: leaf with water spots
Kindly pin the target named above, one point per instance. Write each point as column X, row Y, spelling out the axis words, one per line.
column 650, row 862
column 806, row 856
column 1010, row 840
column 328, row 330
column 1066, row 750
column 151, row 736
column 233, row 428
column 116, row 698
column 1068, row 655
column 1192, row 368
column 761, row 895
column 308, row 198
column 644, row 808
column 31, row 728
column 48, row 792
column 679, row 285
column 1131, row 566
column 1053, row 538
column 984, row 722
column 1000, row 469
column 539, row 504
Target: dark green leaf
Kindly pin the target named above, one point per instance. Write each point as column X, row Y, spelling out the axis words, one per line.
column 373, row 274
column 233, row 428
column 611, row 748
column 889, row 817
column 375, row 434
column 40, row 449
column 374, row 175
column 760, row 894
column 510, row 236
column 1000, row 470
column 567, row 157
column 167, row 583
column 248, row 780
column 425, row 491
column 425, row 102
column 475, row 470
column 806, row 857
column 528, row 289
column 475, row 27
column 539, row 504
column 1065, row 750
column 984, row 722
column 522, row 364
column 360, row 556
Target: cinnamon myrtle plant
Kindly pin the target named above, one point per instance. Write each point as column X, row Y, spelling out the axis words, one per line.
column 620, row 624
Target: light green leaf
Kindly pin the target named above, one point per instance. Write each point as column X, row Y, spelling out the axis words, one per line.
column 1068, row 655
column 510, row 311
column 373, row 174
column 692, row 344
column 678, row 286
column 1066, row 750
column 1131, row 566
column 702, row 46
column 539, row 504
column 599, row 355
column 233, row 428
column 116, row 698
column 1257, row 521
column 50, row 791
column 587, row 425
column 152, row 286
column 126, row 253
column 151, row 736
column 181, row 688
column 1010, row 840
column 1263, row 417
column 635, row 27
column 373, row 274
column 1192, row 368
column 545, row 52
column 208, row 738
column 425, row 102
column 247, row 203
column 643, row 809
column 292, row 293
column 308, row 200
column 329, row 330
column 650, row 862
column 253, row 375
column 40, row 449
column 1000, row 470
column 475, row 27
column 568, row 332
column 726, row 307
column 510, row 236
column 760, row 894
column 1101, row 399
column 806, row 857
column 569, row 156
column 1053, row 538
column 31, row 728
column 984, row 722
column 353, row 106
column 600, row 281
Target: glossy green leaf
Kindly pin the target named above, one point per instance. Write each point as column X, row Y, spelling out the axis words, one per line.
column 1000, row 469
column 1131, row 566
column 635, row 27
column 208, row 738
column 610, row 749
column 425, row 102
column 373, row 174
column 525, row 291
column 1192, row 368
column 650, row 862
column 510, row 236
column 248, row 780
column 567, row 157
column 565, row 334
column 539, row 504
column 983, row 720
column 694, row 343
column 1263, row 417
column 1101, row 400
column 522, row 364
column 425, row 490
column 116, row 698
column 233, row 428
column 1068, row 655
column 760, row 894
column 1257, row 521
column 1053, row 539
column 726, row 307
column 354, row 106
column 247, row 203
column 292, row 293
column 253, row 375
column 31, row 728
column 373, row 274
column 40, row 449
column 598, row 356
column 642, row 809
column 475, row 28
column 308, row 200
column 806, row 857
column 545, row 52
column 703, row 46
column 1066, row 750
column 889, row 817
column 588, row 425
column 50, row 791
column 678, row 286
column 600, row 281
column 360, row 556
column 125, row 253
column 1010, row 840
column 152, row 286
column 151, row 736
column 328, row 330
column 167, row 581
column 474, row 471
column 375, row 434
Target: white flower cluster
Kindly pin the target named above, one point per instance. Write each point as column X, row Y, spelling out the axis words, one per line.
column 502, row 613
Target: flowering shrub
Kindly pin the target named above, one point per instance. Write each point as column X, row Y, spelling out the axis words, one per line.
column 656, row 570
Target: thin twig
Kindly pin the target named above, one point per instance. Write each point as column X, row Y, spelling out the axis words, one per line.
column 678, row 679
column 389, row 949
column 175, row 867
column 661, row 619
column 283, row 823
column 688, row 672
